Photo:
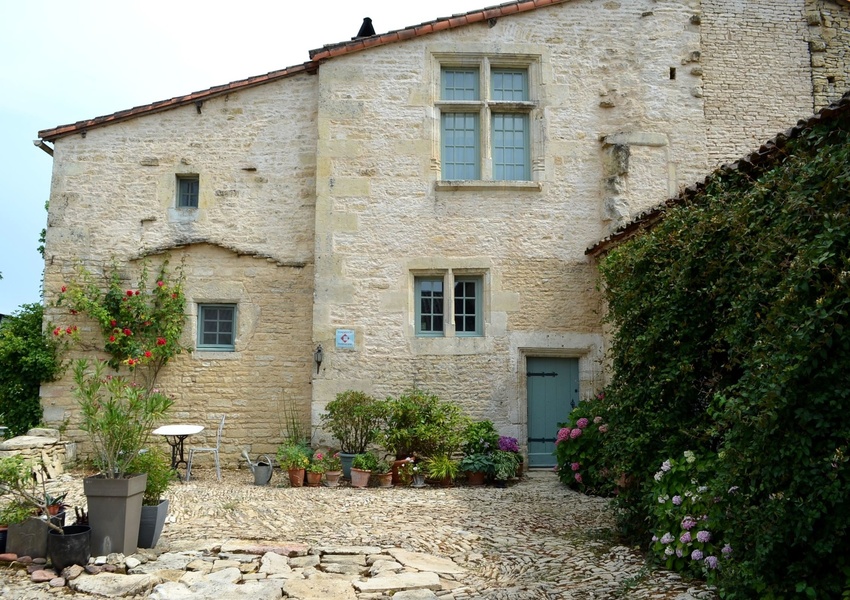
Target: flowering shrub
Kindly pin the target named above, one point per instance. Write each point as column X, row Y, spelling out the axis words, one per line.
column 688, row 518
column 408, row 470
column 317, row 463
column 332, row 462
column 508, row 444
column 140, row 326
column 577, row 448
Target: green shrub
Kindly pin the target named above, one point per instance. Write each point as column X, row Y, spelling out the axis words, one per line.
column 293, row 456
column 365, row 461
column 477, row 463
column 579, row 450
column 28, row 357
column 420, row 424
column 355, row 419
column 157, row 465
column 480, row 437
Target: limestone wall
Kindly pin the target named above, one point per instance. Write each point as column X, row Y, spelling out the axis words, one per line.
column 829, row 43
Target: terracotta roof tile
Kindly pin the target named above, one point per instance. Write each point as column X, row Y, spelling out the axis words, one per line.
column 316, row 58
column 754, row 163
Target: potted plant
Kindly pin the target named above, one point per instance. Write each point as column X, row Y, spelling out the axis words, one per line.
column 420, row 424
column 383, row 473
column 504, row 466
column 295, row 459
column 55, row 504
column 480, row 437
column 12, row 514
column 411, row 473
column 477, row 466
column 118, row 415
column 443, row 468
column 510, row 444
column 355, row 419
column 154, row 506
column 316, row 469
column 333, row 469
column 361, row 468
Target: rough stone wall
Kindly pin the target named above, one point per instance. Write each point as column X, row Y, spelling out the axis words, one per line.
column 597, row 69
column 757, row 71
column 829, row 42
column 249, row 242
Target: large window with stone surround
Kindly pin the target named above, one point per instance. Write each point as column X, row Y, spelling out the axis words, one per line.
column 449, row 303
column 217, row 327
column 485, row 110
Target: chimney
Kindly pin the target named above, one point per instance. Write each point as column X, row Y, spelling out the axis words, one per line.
column 366, row 29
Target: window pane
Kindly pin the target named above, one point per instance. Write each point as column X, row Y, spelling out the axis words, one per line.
column 460, row 146
column 430, row 306
column 460, row 84
column 187, row 192
column 510, row 147
column 509, row 85
column 216, row 326
column 468, row 306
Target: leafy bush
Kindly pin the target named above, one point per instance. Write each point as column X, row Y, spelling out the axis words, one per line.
column 480, row 437
column 578, row 449
column 28, row 358
column 419, row 423
column 157, row 465
column 731, row 319
column 441, row 466
column 504, row 464
column 293, row 456
column 365, row 461
column 477, row 463
column 355, row 419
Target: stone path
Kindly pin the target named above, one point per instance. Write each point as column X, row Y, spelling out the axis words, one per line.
column 535, row 539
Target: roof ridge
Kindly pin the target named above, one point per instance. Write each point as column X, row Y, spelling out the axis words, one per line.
column 316, row 58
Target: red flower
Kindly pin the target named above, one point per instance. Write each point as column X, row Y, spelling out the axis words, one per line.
column 111, row 338
column 137, row 292
column 160, row 283
column 64, row 289
column 57, row 331
column 113, row 322
column 73, row 312
column 160, row 341
column 129, row 292
column 174, row 296
column 127, row 332
column 69, row 331
column 148, row 354
column 131, row 362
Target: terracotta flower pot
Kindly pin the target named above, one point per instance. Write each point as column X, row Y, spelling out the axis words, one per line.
column 314, row 479
column 475, row 477
column 296, row 477
column 332, row 478
column 359, row 478
column 385, row 480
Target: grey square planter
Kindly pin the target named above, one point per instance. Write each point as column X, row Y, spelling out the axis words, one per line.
column 150, row 527
column 115, row 511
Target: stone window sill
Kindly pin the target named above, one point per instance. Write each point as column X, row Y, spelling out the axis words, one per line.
column 456, row 186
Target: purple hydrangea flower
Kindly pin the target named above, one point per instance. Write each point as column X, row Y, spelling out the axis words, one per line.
column 685, row 538
column 688, row 523
column 703, row 536
column 727, row 550
column 677, row 500
column 666, row 466
column 711, row 562
column 655, row 538
column 679, row 552
column 578, row 477
column 508, row 444
column 667, row 538
column 696, row 555
column 582, row 423
column 575, row 466
column 575, row 433
column 563, row 434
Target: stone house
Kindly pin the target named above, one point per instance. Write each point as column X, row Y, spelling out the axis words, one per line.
column 418, row 203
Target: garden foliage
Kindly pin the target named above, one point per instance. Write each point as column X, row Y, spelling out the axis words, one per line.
column 28, row 357
column 733, row 342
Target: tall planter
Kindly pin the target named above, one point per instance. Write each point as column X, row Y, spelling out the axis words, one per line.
column 346, row 458
column 72, row 547
column 115, row 512
column 28, row 538
column 151, row 524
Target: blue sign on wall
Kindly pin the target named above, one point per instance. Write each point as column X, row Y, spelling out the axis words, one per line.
column 345, row 338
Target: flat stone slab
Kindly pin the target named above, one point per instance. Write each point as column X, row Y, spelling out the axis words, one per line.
column 344, row 569
column 23, row 442
column 399, row 583
column 114, row 585
column 319, row 587
column 167, row 561
column 289, row 549
column 415, row 595
column 426, row 562
column 347, row 559
column 207, row 590
column 274, row 564
column 322, row 550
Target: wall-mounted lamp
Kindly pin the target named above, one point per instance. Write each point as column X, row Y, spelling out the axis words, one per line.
column 318, row 356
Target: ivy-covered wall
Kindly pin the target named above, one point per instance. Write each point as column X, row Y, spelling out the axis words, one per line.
column 732, row 319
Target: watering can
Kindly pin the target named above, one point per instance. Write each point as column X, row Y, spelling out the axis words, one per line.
column 262, row 469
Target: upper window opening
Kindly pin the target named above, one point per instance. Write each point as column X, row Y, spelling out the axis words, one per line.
column 187, row 191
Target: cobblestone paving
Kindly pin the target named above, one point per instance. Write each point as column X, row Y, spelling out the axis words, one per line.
column 535, row 539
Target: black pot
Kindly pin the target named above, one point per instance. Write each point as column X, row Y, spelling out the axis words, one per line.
column 4, row 532
column 70, row 548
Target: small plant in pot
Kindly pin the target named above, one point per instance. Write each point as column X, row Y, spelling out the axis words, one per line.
column 295, row 459
column 355, row 419
column 157, row 465
column 477, row 466
column 442, row 468
column 383, row 473
column 504, row 466
column 333, row 469
column 316, row 469
column 361, row 468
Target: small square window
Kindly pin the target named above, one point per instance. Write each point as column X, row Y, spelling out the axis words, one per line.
column 468, row 306
column 433, row 306
column 217, row 327
column 187, row 191
column 429, row 306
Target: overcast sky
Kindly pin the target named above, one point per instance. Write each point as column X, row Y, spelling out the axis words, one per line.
column 68, row 60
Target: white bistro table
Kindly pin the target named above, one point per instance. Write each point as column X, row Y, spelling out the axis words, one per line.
column 175, row 435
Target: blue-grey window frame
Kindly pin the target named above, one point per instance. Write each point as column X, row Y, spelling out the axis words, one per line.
column 188, row 198
column 417, row 285
column 216, row 347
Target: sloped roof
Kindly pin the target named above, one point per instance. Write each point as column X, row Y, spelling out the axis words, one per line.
column 317, row 57
column 755, row 163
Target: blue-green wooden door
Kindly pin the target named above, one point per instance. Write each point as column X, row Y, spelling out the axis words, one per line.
column 552, row 394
